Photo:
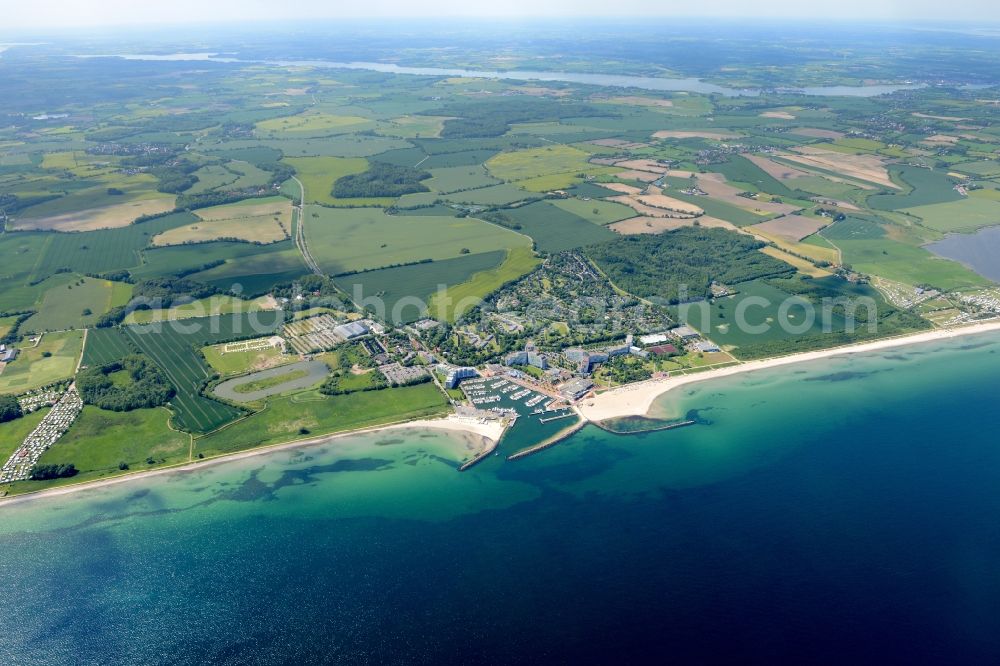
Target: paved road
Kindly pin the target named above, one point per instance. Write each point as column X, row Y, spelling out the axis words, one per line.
column 300, row 234
column 316, row 372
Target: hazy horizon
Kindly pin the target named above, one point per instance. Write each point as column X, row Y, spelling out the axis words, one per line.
column 91, row 14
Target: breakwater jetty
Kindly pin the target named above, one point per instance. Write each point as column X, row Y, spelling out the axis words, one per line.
column 486, row 453
column 669, row 426
column 551, row 441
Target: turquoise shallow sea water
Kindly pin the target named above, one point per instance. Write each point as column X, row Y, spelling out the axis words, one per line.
column 839, row 511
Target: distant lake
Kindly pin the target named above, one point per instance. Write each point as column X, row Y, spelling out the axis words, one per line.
column 610, row 80
column 979, row 251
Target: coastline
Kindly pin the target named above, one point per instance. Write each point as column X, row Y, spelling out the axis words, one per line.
column 485, row 435
column 632, row 400
column 637, row 399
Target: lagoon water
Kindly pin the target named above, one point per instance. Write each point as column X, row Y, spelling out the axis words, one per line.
column 840, row 511
column 979, row 251
column 652, row 83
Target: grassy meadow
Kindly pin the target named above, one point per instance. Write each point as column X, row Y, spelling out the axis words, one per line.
column 52, row 359
column 100, row 440
column 76, row 302
column 286, row 417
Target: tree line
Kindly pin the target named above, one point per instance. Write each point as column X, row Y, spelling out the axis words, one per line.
column 147, row 385
column 10, row 408
column 381, row 180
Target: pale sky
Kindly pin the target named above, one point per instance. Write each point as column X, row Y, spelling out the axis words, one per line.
column 61, row 14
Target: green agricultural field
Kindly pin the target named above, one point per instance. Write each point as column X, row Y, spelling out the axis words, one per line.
column 456, row 301
column 412, row 127
column 357, row 239
column 741, row 170
column 926, row 187
column 435, row 210
column 855, row 146
column 544, row 161
column 105, row 345
column 986, row 193
column 173, row 345
column 211, row 177
column 256, row 274
column 247, row 150
column 69, row 304
column 827, row 188
column 592, row 190
column 285, row 416
column 412, row 156
column 595, row 210
column 986, row 168
column 250, row 265
column 908, row 264
column 455, row 179
column 313, row 124
column 554, row 229
column 966, row 215
column 318, row 174
column 449, row 160
column 99, row 441
column 104, row 250
column 20, row 252
column 563, row 181
column 213, row 305
column 185, row 369
column 342, row 145
column 94, row 208
column 261, row 221
column 383, row 291
column 248, row 175
column 28, row 296
column 866, row 247
column 549, row 129
column 853, row 228
column 496, row 195
column 33, row 368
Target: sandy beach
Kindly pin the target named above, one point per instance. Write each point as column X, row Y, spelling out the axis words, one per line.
column 637, row 399
column 478, row 436
column 491, row 430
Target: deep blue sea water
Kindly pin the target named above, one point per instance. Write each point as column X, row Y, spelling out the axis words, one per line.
column 844, row 511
